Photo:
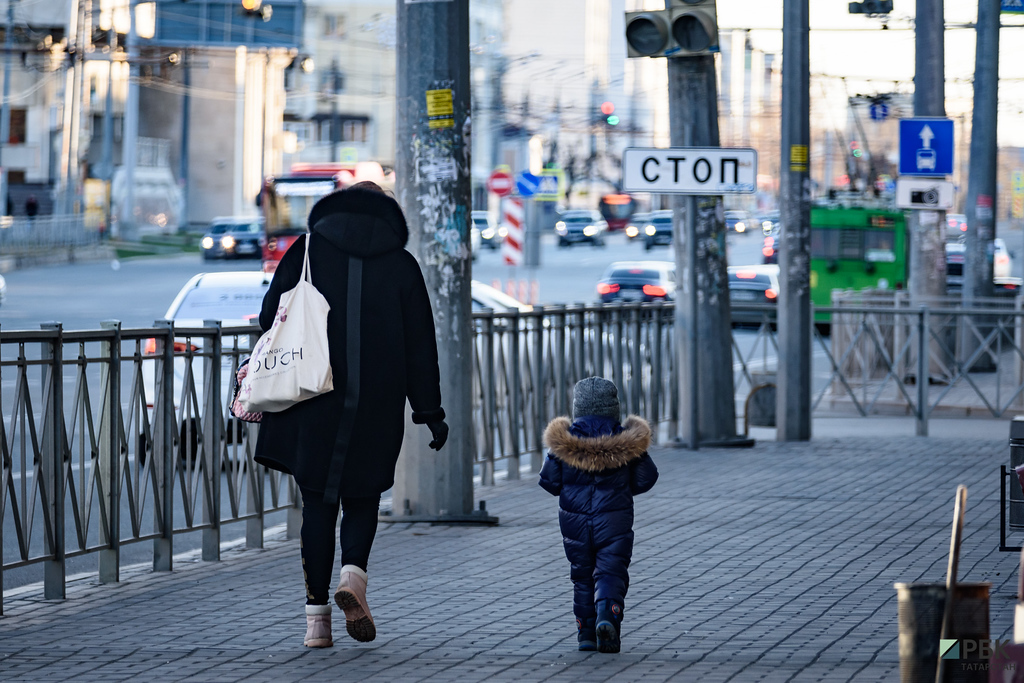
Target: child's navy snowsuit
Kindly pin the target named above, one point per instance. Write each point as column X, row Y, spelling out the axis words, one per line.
column 595, row 466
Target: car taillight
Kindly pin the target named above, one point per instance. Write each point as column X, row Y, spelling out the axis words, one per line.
column 1002, row 258
column 768, row 251
column 607, row 288
column 654, row 290
column 771, row 293
column 746, row 274
column 149, row 347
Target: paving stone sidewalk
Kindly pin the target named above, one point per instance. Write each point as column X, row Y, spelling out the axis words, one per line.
column 769, row 564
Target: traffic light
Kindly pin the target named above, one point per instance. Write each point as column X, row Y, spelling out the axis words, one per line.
column 608, row 111
column 871, row 7
column 688, row 27
column 855, row 149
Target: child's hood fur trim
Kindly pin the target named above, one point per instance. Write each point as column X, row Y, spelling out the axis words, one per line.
column 600, row 452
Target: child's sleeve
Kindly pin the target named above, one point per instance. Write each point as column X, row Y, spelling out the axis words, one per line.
column 643, row 475
column 551, row 475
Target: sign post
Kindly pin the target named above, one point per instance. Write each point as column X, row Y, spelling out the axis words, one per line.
column 690, row 171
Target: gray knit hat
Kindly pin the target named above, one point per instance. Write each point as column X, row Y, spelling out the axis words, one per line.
column 595, row 396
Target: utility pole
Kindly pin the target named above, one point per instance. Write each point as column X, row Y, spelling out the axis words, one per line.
column 693, row 112
column 186, row 132
column 130, row 133
column 793, row 398
column 107, row 172
column 5, row 108
column 433, row 170
column 335, row 117
column 926, row 227
column 981, row 183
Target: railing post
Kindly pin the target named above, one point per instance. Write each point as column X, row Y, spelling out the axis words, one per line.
column 618, row 352
column 558, row 359
column 490, row 398
column 256, row 500
column 52, row 462
column 1018, row 340
column 673, row 377
column 599, row 363
column 922, row 371
column 164, row 434
column 539, row 394
column 654, row 338
column 110, row 455
column 514, row 411
column 636, row 373
column 580, row 349
column 212, row 440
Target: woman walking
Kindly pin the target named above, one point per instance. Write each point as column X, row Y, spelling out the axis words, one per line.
column 342, row 447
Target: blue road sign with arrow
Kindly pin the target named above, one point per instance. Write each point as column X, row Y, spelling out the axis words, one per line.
column 1012, row 6
column 926, row 147
column 527, row 184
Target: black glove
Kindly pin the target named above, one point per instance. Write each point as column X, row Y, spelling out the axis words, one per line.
column 440, row 432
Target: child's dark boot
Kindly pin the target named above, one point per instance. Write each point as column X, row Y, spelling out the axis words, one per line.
column 587, row 635
column 609, row 617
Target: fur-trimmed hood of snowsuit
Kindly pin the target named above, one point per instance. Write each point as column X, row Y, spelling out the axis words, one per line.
column 594, row 454
column 595, row 466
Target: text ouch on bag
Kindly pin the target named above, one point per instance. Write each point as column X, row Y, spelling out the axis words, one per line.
column 290, row 362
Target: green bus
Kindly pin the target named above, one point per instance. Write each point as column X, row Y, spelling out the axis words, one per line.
column 856, row 248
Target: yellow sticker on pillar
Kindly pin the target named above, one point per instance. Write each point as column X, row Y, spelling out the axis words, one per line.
column 440, row 109
column 798, row 158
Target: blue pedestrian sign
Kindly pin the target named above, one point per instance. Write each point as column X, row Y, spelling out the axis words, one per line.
column 926, row 147
column 527, row 184
column 879, row 111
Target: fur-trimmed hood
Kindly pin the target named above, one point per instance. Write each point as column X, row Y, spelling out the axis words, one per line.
column 360, row 222
column 602, row 452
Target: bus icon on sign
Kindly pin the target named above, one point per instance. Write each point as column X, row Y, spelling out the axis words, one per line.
column 926, row 159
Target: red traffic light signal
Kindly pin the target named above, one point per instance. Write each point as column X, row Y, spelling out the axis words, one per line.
column 607, row 108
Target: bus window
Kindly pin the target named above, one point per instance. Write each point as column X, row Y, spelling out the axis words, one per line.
column 879, row 246
column 824, row 243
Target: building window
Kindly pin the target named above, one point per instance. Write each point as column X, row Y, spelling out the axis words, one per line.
column 353, row 131
column 18, row 131
column 303, row 130
column 334, row 26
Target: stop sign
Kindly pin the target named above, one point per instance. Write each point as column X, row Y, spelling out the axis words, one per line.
column 500, row 183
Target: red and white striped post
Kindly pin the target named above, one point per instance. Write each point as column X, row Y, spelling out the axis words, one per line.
column 512, row 247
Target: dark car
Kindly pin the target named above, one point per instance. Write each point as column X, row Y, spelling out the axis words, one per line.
column 753, row 285
column 490, row 235
column 581, row 226
column 658, row 231
column 636, row 225
column 738, row 221
column 233, row 238
column 637, row 281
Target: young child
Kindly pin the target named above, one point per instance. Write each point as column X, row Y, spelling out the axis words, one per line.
column 595, row 466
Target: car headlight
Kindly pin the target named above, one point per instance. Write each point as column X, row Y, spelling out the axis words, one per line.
column 487, row 233
column 502, row 232
column 740, row 227
column 207, row 242
column 560, row 228
column 227, row 241
column 650, row 230
column 632, row 231
column 590, row 231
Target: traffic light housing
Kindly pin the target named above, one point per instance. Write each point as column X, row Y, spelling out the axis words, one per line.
column 855, row 149
column 688, row 27
column 871, row 7
column 608, row 113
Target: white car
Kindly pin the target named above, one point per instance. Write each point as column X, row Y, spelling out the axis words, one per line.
column 485, row 296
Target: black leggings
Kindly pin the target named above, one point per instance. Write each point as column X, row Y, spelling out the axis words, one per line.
column 358, row 526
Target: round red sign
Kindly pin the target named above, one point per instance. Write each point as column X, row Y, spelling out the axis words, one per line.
column 500, row 183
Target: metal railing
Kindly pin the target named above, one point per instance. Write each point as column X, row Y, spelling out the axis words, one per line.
column 21, row 236
column 115, row 436
column 119, row 436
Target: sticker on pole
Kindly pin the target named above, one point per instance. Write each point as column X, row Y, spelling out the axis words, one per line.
column 440, row 109
column 690, row 170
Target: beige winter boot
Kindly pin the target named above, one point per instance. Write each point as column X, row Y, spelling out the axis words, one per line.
column 318, row 626
column 351, row 597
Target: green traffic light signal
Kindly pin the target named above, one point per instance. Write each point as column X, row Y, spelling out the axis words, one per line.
column 612, row 120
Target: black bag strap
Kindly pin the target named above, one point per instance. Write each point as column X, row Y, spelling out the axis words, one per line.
column 332, row 494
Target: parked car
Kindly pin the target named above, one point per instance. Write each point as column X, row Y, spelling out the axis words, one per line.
column 490, row 234
column 753, row 285
column 232, row 298
column 637, row 281
column 485, row 296
column 578, row 226
column 233, row 237
column 738, row 221
column 658, row 231
column 636, row 225
column 1002, row 264
column 956, row 226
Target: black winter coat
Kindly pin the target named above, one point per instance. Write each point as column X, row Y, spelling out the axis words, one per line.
column 397, row 350
column 595, row 467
